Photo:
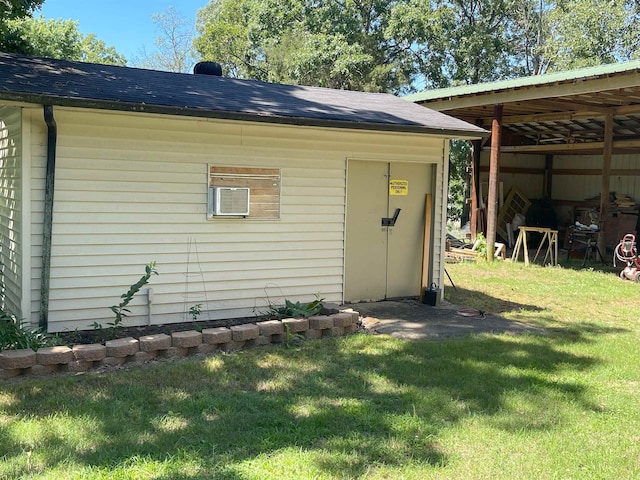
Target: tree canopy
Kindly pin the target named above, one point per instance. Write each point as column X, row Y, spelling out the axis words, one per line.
column 9, row 10
column 61, row 39
column 388, row 45
column 325, row 43
column 586, row 33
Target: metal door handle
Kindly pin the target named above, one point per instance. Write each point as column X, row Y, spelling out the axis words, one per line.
column 390, row 222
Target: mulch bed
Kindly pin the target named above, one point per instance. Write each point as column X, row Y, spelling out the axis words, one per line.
column 78, row 337
column 102, row 335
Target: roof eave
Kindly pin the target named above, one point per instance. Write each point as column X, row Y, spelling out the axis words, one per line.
column 242, row 116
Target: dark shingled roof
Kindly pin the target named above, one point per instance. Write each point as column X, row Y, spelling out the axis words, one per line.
column 65, row 83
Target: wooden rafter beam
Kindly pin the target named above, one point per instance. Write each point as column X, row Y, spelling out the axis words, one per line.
column 544, row 117
column 594, row 172
column 570, row 147
column 570, row 114
column 573, row 104
column 559, row 132
column 627, row 110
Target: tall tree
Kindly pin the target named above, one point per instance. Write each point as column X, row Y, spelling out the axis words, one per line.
column 10, row 10
column 173, row 51
column 529, row 28
column 61, row 39
column 323, row 42
column 585, row 33
column 562, row 35
column 395, row 45
column 459, row 41
column 94, row 50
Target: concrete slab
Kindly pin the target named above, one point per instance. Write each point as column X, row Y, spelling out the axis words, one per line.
column 409, row 319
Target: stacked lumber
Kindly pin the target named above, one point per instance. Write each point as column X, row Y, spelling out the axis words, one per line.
column 625, row 203
column 618, row 203
column 465, row 251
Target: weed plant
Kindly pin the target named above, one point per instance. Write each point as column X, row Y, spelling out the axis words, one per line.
column 121, row 311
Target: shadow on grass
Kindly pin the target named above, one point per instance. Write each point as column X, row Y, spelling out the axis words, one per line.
column 480, row 300
column 575, row 330
column 335, row 407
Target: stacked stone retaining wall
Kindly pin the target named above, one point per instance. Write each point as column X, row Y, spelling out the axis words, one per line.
column 85, row 357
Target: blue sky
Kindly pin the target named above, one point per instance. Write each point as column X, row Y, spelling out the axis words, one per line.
column 123, row 24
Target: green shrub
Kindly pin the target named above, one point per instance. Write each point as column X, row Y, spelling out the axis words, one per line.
column 14, row 335
column 296, row 310
column 481, row 246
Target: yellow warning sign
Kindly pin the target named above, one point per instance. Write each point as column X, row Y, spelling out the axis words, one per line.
column 398, row 187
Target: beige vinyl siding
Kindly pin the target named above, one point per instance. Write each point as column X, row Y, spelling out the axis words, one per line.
column 132, row 188
column 11, row 210
column 36, row 163
column 439, row 200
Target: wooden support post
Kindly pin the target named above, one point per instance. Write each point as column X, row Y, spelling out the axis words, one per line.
column 426, row 244
column 475, row 182
column 494, row 171
column 468, row 180
column 548, row 176
column 607, row 154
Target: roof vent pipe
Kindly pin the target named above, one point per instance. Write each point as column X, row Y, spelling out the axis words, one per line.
column 208, row 68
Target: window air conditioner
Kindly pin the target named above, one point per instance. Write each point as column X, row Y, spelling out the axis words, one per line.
column 229, row 201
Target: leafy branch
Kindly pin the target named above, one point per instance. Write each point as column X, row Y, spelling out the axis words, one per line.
column 121, row 309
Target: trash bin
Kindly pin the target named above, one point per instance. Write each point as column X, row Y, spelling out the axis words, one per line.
column 431, row 295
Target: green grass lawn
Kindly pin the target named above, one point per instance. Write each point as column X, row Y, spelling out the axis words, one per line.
column 565, row 405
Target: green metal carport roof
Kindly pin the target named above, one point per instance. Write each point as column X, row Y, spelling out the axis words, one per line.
column 555, row 113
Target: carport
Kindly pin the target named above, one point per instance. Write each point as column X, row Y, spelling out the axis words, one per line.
column 569, row 139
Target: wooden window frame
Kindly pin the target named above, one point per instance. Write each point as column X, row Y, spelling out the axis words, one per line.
column 264, row 185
